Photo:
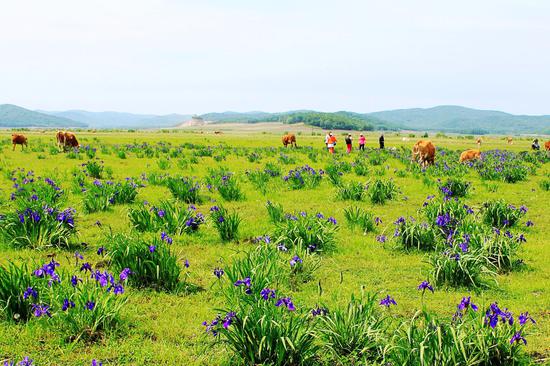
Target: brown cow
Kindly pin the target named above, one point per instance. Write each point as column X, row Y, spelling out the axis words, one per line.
column 70, row 140
column 60, row 137
column 547, row 145
column 470, row 154
column 510, row 141
column 217, row 132
column 424, row 152
column 289, row 139
column 18, row 139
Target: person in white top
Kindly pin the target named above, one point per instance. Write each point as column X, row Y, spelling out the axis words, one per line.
column 327, row 137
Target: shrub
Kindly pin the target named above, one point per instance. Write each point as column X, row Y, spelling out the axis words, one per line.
column 259, row 180
column 302, row 267
column 227, row 223
column 184, row 189
column 267, row 332
column 151, row 262
column 169, row 217
column 351, row 191
column 314, row 233
column 500, row 214
column 275, row 212
column 361, row 168
column 94, row 169
column 415, row 235
column 355, row 333
column 455, row 187
column 38, row 226
column 81, row 308
column 380, row 191
column 471, row 338
column 14, row 280
column 303, row 177
column 456, row 268
column 357, row 217
column 545, row 185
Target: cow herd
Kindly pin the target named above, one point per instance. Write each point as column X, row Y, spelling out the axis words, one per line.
column 423, row 151
column 65, row 140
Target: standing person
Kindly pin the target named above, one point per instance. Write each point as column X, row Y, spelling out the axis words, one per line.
column 348, row 142
column 535, row 145
column 381, row 141
column 327, row 137
column 331, row 143
column 361, row 142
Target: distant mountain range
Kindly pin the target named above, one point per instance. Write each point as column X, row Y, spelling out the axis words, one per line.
column 441, row 118
column 14, row 116
column 121, row 119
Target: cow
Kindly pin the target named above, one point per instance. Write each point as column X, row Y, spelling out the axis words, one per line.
column 470, row 154
column 289, row 139
column 217, row 132
column 70, row 140
column 547, row 145
column 18, row 139
column 60, row 137
column 510, row 141
column 424, row 152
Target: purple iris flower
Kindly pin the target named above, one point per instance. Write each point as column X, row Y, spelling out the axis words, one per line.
column 30, row 292
column 517, row 337
column 524, row 317
column 295, row 260
column 267, row 293
column 90, row 305
column 67, row 304
column 425, row 285
column 287, row 302
column 218, row 272
column 388, row 301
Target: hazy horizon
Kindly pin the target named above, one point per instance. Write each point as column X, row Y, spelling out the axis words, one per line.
column 163, row 57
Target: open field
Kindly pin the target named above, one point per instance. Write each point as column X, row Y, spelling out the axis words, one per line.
column 164, row 327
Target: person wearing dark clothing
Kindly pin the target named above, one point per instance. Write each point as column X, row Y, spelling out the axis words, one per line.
column 381, row 141
column 535, row 145
column 348, row 143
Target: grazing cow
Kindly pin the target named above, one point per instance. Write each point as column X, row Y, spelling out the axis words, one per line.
column 510, row 141
column 289, row 139
column 470, row 154
column 60, row 137
column 547, row 145
column 424, row 152
column 18, row 139
column 217, row 132
column 70, row 140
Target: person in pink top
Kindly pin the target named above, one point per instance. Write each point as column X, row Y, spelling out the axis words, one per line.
column 361, row 142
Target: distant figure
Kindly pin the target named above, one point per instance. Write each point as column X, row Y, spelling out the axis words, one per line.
column 535, row 145
column 424, row 152
column 510, row 141
column 289, row 139
column 361, row 142
column 327, row 137
column 331, row 142
column 381, row 141
column 348, row 143
column 18, row 139
column 478, row 142
column 217, row 132
column 547, row 145
column 470, row 154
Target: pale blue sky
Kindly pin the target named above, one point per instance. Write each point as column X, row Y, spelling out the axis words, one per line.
column 202, row 56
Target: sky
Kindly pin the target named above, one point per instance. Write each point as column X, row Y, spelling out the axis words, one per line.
column 162, row 56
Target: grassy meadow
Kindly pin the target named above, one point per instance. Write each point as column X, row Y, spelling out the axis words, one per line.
column 164, row 327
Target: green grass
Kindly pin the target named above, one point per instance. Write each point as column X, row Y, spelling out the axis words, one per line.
column 165, row 328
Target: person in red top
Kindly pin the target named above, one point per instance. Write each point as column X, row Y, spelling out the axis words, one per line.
column 331, row 143
column 361, row 142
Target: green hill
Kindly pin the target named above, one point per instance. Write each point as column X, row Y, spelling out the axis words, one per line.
column 465, row 120
column 14, row 116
